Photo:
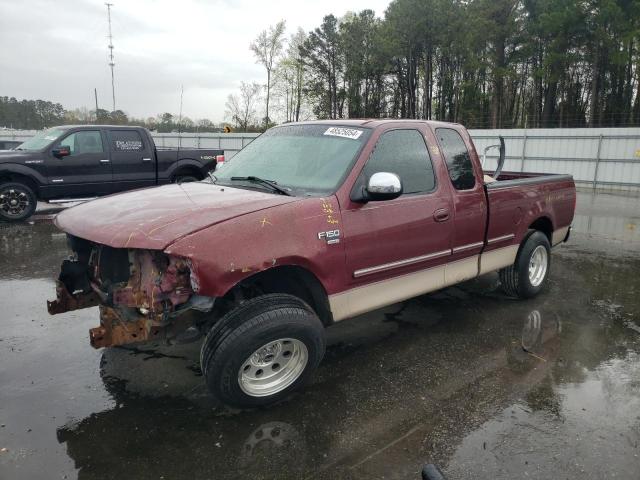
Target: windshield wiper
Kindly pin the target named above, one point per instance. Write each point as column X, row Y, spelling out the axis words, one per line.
column 213, row 178
column 269, row 183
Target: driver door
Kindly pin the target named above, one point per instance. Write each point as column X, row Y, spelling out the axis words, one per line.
column 86, row 172
column 398, row 248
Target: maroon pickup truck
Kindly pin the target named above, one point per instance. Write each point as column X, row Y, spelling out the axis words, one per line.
column 310, row 224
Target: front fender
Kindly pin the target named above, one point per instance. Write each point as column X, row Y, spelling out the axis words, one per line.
column 227, row 253
column 18, row 169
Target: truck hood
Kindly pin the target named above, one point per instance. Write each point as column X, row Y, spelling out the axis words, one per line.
column 153, row 218
column 13, row 155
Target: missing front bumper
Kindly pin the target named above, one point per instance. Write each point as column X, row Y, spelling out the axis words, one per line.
column 114, row 331
column 66, row 302
column 143, row 295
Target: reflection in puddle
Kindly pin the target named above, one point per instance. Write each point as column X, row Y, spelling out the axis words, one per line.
column 31, row 251
column 271, row 446
column 536, row 333
column 609, row 217
column 591, row 429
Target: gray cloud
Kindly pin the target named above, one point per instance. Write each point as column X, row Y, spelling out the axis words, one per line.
column 57, row 50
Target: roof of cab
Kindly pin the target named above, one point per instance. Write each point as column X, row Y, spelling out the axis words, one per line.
column 370, row 122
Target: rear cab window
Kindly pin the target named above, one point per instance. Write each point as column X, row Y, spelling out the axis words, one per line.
column 457, row 158
column 405, row 153
column 126, row 141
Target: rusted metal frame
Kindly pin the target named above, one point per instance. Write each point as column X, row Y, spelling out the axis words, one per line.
column 66, row 302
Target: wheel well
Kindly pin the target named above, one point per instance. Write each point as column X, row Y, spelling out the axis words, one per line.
column 182, row 171
column 544, row 225
column 16, row 177
column 293, row 280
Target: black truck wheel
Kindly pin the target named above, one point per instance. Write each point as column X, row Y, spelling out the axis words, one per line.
column 185, row 179
column 17, row 202
column 262, row 350
column 528, row 275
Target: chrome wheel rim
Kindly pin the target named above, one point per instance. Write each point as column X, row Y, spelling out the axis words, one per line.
column 13, row 202
column 538, row 265
column 273, row 367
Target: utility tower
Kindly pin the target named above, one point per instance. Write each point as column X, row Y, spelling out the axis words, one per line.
column 111, row 62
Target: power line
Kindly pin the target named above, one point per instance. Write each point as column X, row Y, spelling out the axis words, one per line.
column 95, row 92
column 180, row 117
column 111, row 62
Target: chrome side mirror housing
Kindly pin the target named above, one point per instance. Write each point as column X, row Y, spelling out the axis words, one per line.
column 384, row 186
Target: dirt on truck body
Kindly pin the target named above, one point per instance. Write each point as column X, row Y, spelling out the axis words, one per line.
column 310, row 224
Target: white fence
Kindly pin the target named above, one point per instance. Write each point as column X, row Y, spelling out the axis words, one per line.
column 596, row 157
column 231, row 143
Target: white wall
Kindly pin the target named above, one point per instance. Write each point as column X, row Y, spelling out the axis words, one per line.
column 613, row 152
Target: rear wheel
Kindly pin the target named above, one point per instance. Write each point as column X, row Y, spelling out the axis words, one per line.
column 185, row 179
column 528, row 275
column 17, row 202
column 262, row 350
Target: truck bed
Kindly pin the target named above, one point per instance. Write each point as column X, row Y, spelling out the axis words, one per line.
column 507, row 179
column 516, row 198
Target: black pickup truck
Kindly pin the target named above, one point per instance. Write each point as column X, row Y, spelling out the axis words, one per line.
column 74, row 162
column 9, row 144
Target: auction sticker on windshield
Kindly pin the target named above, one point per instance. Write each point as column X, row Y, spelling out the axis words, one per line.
column 344, row 132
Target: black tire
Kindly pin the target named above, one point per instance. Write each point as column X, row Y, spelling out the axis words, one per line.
column 185, row 179
column 515, row 278
column 11, row 192
column 247, row 328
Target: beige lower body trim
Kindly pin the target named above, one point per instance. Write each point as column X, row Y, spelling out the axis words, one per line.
column 498, row 258
column 465, row 269
column 559, row 235
column 386, row 292
column 379, row 294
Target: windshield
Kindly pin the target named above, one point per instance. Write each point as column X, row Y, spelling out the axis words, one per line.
column 303, row 159
column 41, row 140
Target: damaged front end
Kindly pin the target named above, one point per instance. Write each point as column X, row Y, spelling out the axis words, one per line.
column 143, row 295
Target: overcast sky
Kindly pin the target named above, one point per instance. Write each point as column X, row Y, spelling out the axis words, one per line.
column 56, row 50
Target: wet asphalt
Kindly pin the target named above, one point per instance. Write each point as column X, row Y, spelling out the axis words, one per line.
column 484, row 386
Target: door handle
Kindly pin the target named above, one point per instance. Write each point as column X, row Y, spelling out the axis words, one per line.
column 146, row 159
column 105, row 160
column 441, row 215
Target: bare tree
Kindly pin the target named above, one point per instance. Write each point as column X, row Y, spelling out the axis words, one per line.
column 267, row 47
column 241, row 109
column 289, row 78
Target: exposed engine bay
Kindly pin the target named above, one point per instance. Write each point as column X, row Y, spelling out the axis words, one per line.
column 143, row 295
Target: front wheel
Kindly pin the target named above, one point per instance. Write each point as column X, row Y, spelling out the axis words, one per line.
column 17, row 202
column 262, row 350
column 528, row 275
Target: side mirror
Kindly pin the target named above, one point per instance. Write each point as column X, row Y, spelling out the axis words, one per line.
column 384, row 186
column 61, row 151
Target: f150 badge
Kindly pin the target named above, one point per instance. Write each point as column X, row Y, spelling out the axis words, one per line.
column 331, row 236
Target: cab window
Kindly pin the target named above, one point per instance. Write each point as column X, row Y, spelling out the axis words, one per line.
column 404, row 153
column 87, row 141
column 457, row 157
